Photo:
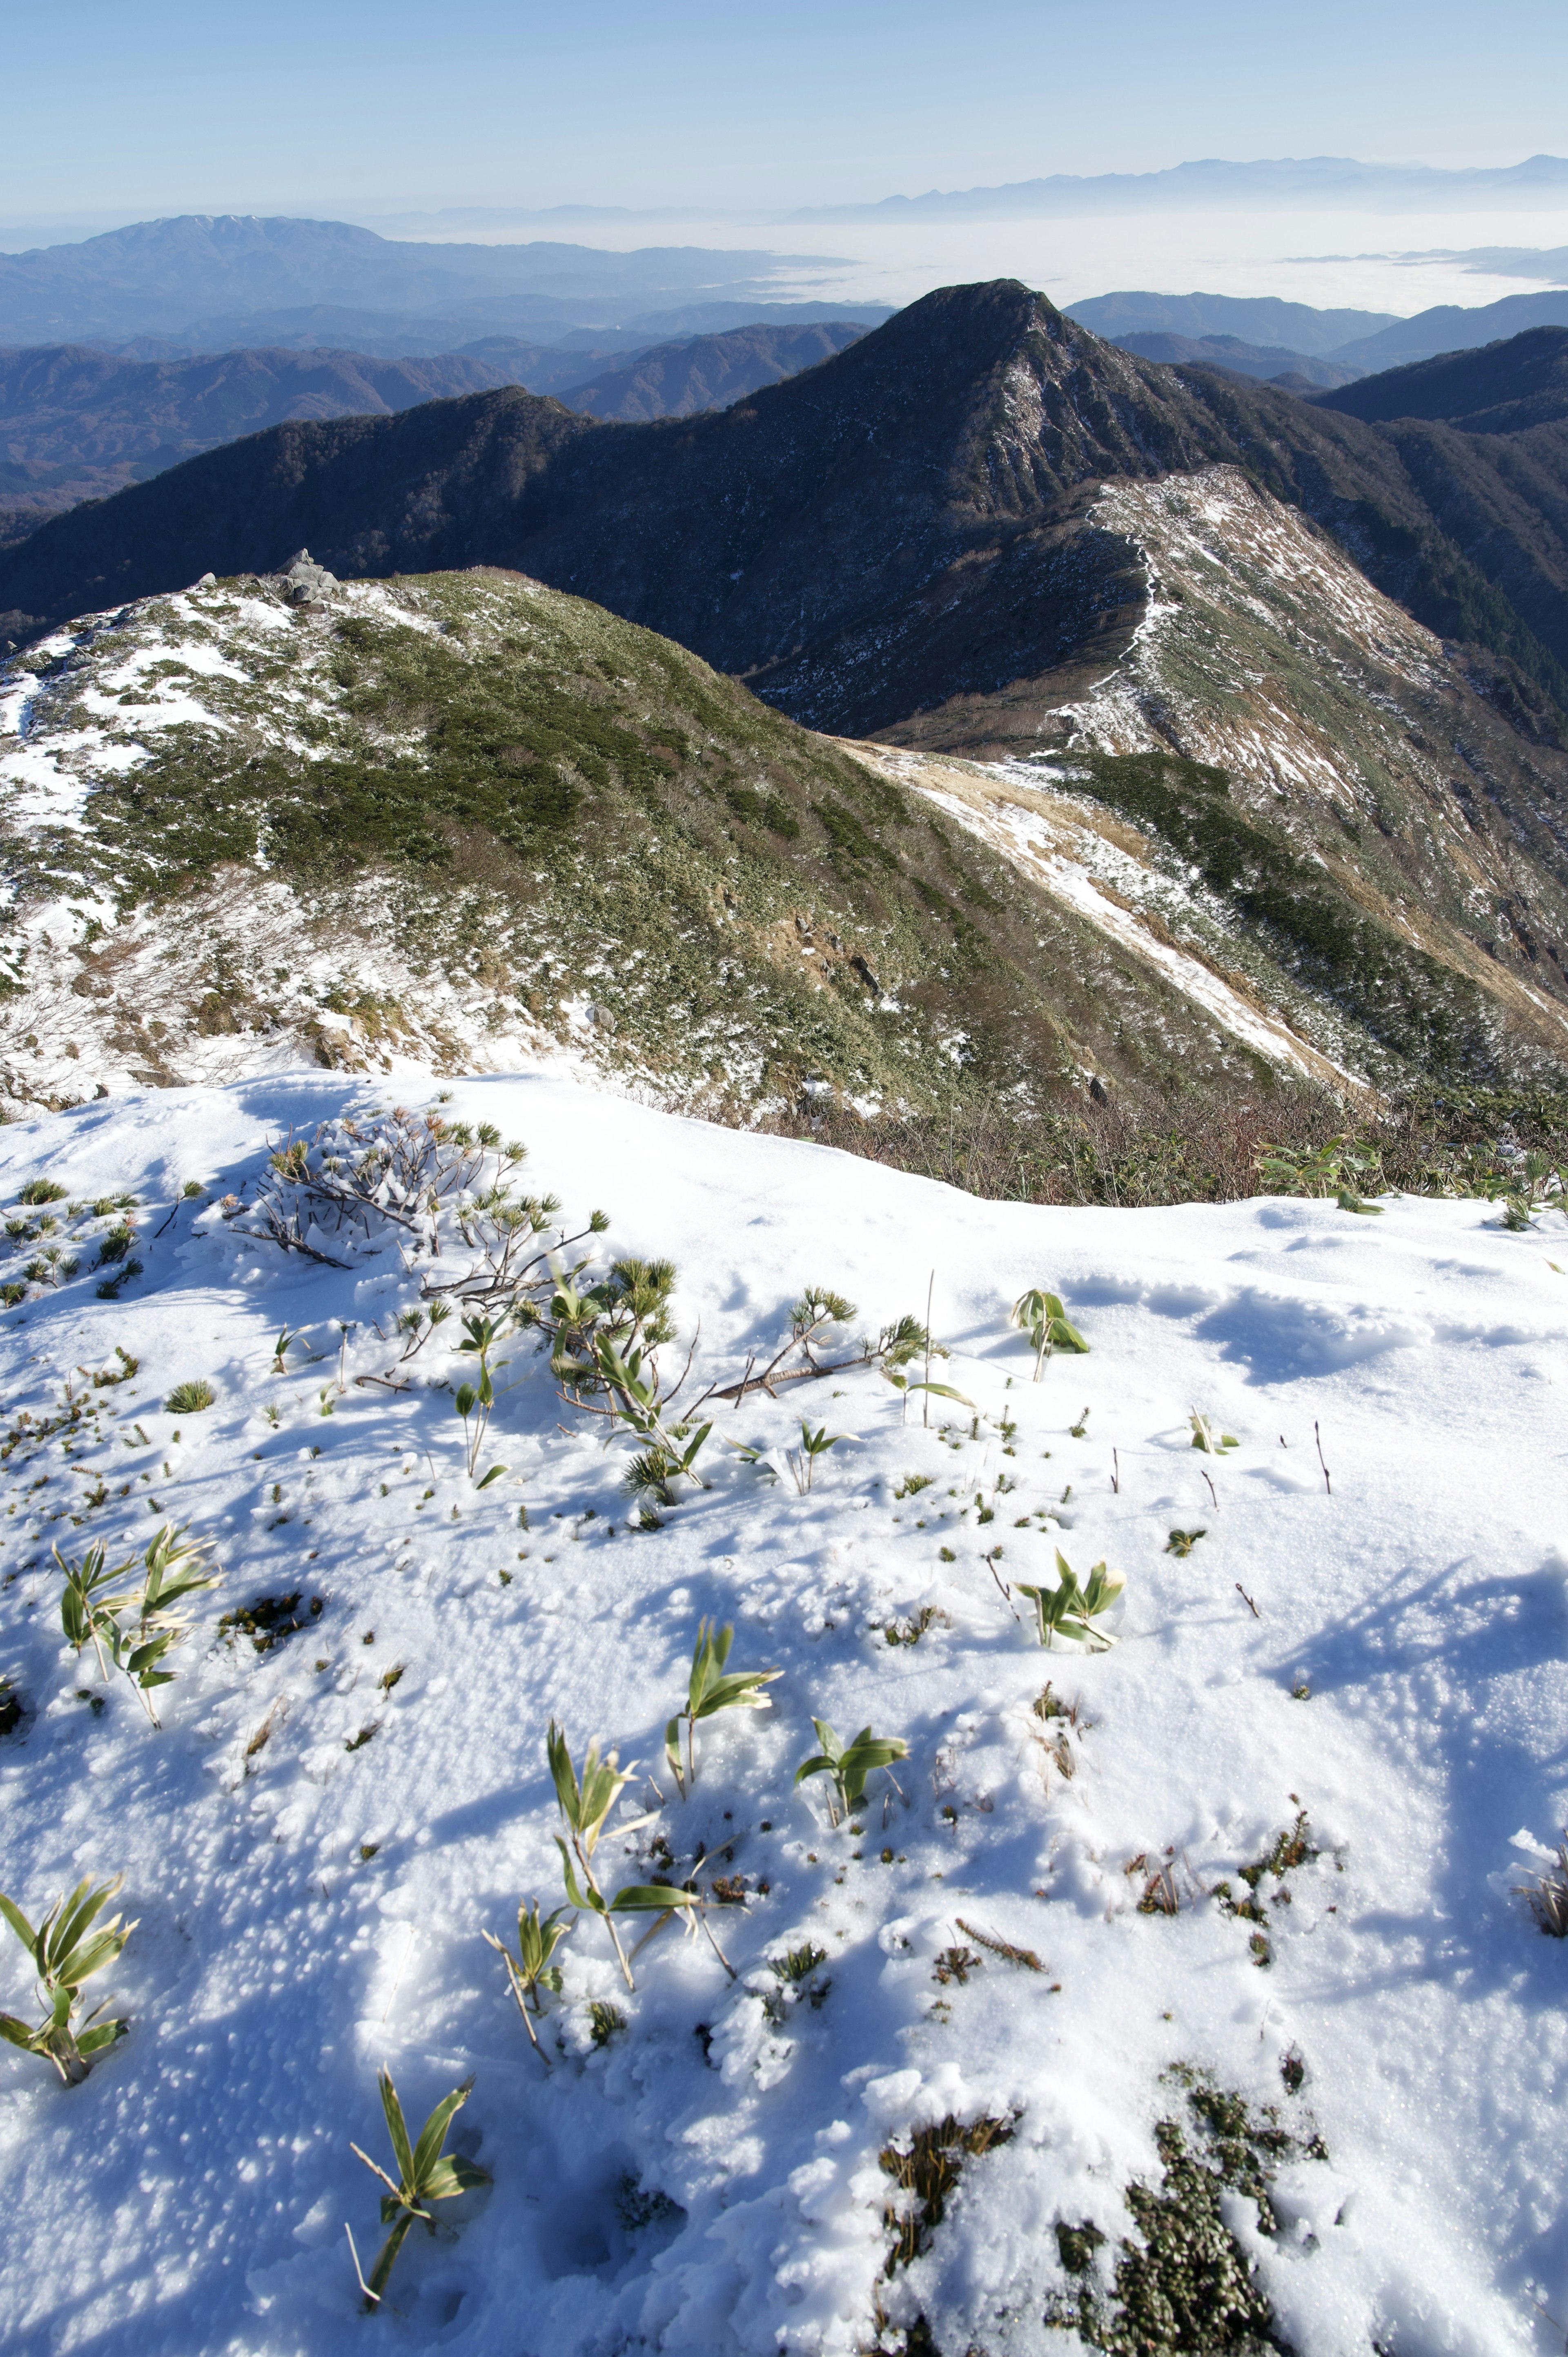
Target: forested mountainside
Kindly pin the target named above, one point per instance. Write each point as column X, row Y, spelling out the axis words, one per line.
column 76, row 424
column 1501, row 388
column 901, row 525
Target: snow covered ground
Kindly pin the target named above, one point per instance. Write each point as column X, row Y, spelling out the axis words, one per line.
column 717, row 2174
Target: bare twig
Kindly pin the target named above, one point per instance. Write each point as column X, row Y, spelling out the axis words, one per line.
column 990, row 1563
column 1247, row 1601
column 1328, row 1484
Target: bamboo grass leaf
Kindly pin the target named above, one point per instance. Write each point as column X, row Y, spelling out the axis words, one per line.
column 433, row 2136
column 396, row 2127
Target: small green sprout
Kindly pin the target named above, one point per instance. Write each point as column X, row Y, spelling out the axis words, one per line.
column 63, row 1956
column 708, row 1692
column 902, row 1383
column 424, row 2174
column 1205, row 1438
column 849, row 1764
column 1042, row 1317
column 1070, row 1610
column 1183, row 1542
column 803, row 1461
column 531, row 1969
column 475, row 1402
column 190, row 1399
column 584, row 1803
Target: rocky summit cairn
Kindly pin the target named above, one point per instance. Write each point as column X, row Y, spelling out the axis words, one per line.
column 304, row 582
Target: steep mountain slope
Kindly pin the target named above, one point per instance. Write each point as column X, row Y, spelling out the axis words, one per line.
column 473, row 820
column 470, row 819
column 1321, row 780
column 76, row 424
column 1520, row 382
column 901, row 525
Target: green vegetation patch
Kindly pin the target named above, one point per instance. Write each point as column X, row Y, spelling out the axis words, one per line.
column 558, row 807
column 1425, row 1012
column 1185, row 2284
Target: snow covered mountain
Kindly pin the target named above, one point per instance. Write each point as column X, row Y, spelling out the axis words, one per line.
column 1186, row 1995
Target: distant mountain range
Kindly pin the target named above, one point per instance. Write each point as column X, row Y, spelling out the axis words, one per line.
column 1286, row 183
column 1254, row 318
column 208, row 284
column 1299, row 370
column 1277, row 696
column 1190, row 327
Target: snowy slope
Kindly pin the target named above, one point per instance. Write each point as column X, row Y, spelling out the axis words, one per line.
column 711, row 2178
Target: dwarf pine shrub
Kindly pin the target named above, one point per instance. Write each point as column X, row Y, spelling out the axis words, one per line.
column 190, row 1399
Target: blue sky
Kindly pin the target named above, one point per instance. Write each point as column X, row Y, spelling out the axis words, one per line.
column 348, row 107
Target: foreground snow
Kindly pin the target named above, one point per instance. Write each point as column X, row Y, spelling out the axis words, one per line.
column 709, row 2179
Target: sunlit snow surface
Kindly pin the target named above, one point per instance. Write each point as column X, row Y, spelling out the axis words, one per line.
column 192, row 2195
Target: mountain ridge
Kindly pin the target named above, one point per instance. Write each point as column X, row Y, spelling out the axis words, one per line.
column 1498, row 388
column 76, row 424
column 472, row 819
column 900, row 526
